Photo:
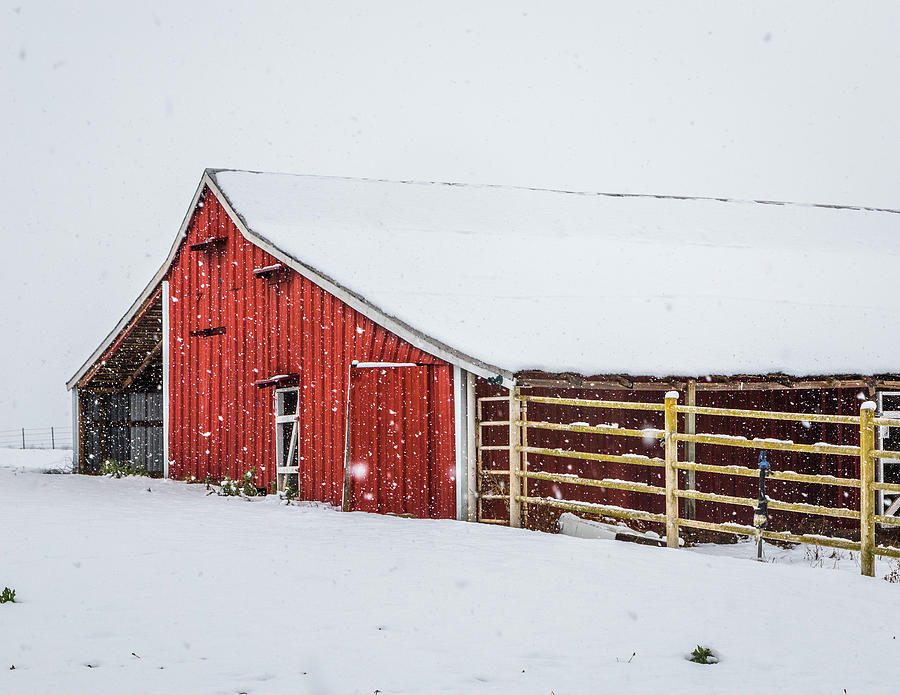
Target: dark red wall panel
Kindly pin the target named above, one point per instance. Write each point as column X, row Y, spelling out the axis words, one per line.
column 834, row 401
column 220, row 423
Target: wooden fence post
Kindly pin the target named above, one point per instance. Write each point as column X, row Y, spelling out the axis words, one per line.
column 515, row 482
column 671, row 471
column 523, row 460
column 866, row 491
column 690, row 448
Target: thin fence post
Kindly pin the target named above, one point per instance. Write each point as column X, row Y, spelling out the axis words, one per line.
column 690, row 448
column 479, row 463
column 866, row 491
column 52, row 439
column 671, row 428
column 23, row 437
column 515, row 482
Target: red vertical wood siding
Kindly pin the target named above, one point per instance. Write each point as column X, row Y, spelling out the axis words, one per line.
column 220, row 424
column 398, row 441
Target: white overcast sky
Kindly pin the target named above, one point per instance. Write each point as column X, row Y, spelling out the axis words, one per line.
column 109, row 111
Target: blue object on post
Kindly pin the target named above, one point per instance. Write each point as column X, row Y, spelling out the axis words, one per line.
column 761, row 513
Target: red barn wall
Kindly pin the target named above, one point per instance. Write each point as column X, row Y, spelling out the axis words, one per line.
column 833, row 401
column 220, row 423
column 390, row 443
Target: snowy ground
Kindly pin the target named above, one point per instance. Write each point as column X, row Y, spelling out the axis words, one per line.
column 40, row 460
column 150, row 586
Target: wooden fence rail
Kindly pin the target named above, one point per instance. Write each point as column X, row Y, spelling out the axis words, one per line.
column 517, row 497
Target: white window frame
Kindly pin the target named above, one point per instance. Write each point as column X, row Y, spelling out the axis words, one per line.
column 882, row 436
column 281, row 419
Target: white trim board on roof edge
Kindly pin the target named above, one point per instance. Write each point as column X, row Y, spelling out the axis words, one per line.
column 357, row 302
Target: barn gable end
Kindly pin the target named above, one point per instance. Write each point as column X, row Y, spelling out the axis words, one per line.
column 238, row 324
column 237, row 320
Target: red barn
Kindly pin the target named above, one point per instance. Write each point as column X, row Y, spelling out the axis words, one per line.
column 332, row 335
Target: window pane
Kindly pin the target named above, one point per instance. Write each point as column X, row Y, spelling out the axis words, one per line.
column 295, row 459
column 284, row 431
column 891, row 474
column 892, row 439
column 289, row 403
column 890, row 402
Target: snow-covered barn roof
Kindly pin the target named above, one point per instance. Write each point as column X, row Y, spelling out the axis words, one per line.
column 597, row 283
column 503, row 279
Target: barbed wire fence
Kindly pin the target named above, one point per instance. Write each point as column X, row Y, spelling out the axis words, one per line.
column 37, row 438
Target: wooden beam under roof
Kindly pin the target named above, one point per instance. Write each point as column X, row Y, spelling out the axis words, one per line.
column 739, row 382
column 131, row 346
column 142, row 367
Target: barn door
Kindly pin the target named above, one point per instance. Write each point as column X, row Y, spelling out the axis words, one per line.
column 400, row 455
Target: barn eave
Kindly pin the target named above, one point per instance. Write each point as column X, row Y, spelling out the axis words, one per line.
column 718, row 382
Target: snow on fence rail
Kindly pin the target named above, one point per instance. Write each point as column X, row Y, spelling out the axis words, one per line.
column 518, row 473
column 36, row 438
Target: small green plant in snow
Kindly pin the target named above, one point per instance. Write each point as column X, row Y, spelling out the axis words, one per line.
column 242, row 487
column 703, row 655
column 230, row 488
column 8, row 595
column 115, row 469
column 289, row 495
